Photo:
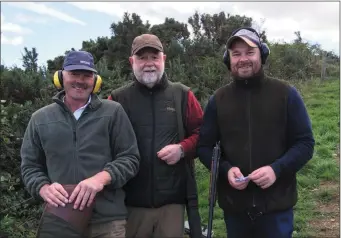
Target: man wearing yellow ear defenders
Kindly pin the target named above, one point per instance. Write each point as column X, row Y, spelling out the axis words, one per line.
column 84, row 142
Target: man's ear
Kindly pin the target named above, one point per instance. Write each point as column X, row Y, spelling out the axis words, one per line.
column 131, row 60
column 164, row 57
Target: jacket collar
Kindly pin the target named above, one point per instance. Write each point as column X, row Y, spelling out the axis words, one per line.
column 253, row 82
column 94, row 103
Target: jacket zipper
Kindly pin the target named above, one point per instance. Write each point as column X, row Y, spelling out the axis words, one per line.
column 250, row 143
column 152, row 149
column 74, row 130
column 74, row 154
column 74, row 127
column 76, row 145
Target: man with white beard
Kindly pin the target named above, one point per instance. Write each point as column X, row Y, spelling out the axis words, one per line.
column 159, row 111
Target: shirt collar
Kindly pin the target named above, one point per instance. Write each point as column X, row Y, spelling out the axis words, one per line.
column 82, row 106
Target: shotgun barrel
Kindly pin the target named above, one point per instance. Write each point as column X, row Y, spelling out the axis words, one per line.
column 213, row 185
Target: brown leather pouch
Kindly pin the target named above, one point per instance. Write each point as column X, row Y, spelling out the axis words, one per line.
column 75, row 217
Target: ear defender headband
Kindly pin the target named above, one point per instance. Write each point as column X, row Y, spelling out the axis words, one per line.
column 58, row 81
column 248, row 34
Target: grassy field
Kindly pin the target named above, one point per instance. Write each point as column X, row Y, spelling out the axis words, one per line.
column 317, row 210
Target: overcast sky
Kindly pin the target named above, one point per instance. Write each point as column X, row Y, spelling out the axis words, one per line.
column 54, row 27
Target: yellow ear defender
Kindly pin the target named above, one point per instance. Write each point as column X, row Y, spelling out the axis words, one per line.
column 58, row 81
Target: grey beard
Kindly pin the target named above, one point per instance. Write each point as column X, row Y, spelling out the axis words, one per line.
column 147, row 80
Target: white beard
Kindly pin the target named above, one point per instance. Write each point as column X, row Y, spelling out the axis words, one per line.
column 149, row 79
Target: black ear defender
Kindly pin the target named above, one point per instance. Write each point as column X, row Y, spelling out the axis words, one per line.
column 58, row 81
column 263, row 47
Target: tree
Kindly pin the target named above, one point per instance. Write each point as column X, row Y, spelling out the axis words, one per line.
column 231, row 24
column 30, row 60
column 170, row 30
column 217, row 28
column 194, row 22
column 123, row 34
column 55, row 64
column 298, row 37
column 98, row 48
column 172, row 35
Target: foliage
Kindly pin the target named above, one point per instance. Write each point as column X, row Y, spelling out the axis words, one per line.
column 195, row 60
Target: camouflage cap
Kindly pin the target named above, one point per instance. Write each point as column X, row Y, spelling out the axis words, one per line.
column 146, row 40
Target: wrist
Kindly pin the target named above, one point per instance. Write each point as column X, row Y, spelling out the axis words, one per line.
column 103, row 177
column 275, row 170
column 42, row 189
column 182, row 152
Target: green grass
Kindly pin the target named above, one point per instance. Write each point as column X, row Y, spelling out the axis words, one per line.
column 322, row 102
column 326, row 195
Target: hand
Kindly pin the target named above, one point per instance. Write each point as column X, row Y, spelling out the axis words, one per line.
column 264, row 177
column 87, row 189
column 54, row 194
column 170, row 154
column 232, row 175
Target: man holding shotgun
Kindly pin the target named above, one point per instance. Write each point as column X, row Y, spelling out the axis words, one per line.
column 266, row 138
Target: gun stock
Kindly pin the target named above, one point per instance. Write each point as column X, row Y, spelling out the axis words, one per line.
column 212, row 190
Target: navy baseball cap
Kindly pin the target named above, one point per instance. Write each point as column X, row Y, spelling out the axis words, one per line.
column 79, row 60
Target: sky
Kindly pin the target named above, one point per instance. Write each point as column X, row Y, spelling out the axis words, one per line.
column 55, row 27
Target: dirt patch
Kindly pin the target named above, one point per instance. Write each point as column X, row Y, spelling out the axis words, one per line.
column 327, row 223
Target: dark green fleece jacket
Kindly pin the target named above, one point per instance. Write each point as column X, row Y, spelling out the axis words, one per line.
column 58, row 148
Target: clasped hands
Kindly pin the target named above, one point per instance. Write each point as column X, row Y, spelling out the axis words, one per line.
column 83, row 194
column 264, row 177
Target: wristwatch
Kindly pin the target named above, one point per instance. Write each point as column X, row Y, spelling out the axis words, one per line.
column 182, row 152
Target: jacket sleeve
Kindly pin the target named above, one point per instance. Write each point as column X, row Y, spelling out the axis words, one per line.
column 300, row 137
column 126, row 157
column 208, row 136
column 33, row 164
column 193, row 122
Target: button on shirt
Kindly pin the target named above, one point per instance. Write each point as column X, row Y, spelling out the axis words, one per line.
column 80, row 110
